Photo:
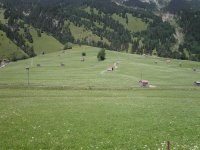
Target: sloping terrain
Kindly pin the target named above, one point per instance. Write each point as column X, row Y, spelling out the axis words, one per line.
column 104, row 24
column 130, row 69
column 8, row 50
column 99, row 23
column 81, row 105
column 43, row 43
column 46, row 43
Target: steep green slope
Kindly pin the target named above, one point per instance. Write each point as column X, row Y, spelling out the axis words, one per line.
column 8, row 50
column 45, row 43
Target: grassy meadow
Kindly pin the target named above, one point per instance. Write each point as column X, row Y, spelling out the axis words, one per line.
column 82, row 106
column 75, row 73
column 134, row 24
column 82, row 33
column 45, row 43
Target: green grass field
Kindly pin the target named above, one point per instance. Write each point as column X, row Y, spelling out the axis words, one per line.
column 76, row 73
column 82, row 106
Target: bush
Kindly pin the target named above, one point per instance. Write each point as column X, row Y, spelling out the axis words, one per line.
column 101, row 55
column 83, row 54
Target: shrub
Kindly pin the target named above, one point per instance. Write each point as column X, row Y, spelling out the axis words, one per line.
column 101, row 55
column 83, row 54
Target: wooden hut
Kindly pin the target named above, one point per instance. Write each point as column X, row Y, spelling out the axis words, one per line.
column 144, row 83
column 197, row 83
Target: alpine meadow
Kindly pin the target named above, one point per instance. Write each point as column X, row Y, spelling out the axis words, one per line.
column 107, row 75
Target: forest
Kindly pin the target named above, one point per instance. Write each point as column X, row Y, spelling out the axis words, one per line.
column 50, row 16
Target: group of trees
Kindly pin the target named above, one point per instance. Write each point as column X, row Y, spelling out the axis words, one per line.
column 190, row 22
column 182, row 5
column 13, row 34
column 101, row 55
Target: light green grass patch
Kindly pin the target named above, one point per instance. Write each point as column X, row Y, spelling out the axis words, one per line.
column 2, row 20
column 134, row 24
column 88, row 10
column 8, row 50
column 82, row 33
column 45, row 43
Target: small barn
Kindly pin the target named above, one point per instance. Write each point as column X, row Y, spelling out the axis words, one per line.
column 144, row 83
column 110, row 68
column 197, row 83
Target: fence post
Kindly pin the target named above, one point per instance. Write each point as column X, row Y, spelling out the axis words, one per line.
column 168, row 145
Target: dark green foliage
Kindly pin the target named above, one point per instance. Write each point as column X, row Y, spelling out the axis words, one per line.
column 101, row 55
column 182, row 5
column 27, row 35
column 39, row 33
column 13, row 34
column 159, row 36
column 83, row 54
column 190, row 22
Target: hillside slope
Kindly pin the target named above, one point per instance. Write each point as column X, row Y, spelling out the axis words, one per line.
column 40, row 43
column 67, row 69
column 8, row 50
column 101, row 23
column 104, row 24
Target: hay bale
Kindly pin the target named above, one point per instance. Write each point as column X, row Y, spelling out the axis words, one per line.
column 168, row 61
column 110, row 69
column 82, row 59
column 62, row 65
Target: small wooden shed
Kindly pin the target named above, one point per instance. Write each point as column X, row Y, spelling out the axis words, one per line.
column 144, row 83
column 110, row 68
column 197, row 83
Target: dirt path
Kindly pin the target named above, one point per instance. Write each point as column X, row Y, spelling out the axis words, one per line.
column 102, row 72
